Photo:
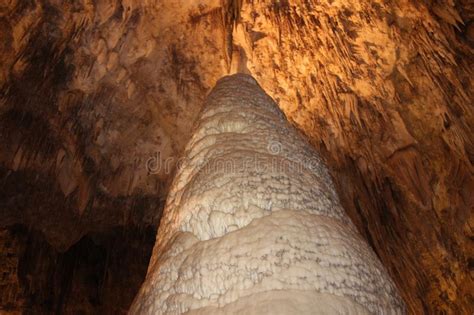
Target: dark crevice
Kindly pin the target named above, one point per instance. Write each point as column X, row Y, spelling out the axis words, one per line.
column 101, row 273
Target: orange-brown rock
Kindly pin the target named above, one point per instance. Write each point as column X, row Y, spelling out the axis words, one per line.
column 92, row 92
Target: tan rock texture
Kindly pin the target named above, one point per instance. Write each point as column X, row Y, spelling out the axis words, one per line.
column 92, row 91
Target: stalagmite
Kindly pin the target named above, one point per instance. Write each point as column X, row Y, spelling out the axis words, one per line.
column 253, row 224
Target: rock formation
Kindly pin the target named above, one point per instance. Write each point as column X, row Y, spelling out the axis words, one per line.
column 253, row 225
column 91, row 91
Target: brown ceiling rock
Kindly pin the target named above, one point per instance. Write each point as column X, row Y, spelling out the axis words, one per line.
column 99, row 97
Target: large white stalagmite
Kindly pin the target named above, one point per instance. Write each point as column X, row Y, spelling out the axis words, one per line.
column 253, row 225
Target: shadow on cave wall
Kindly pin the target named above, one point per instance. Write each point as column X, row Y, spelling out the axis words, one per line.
column 100, row 274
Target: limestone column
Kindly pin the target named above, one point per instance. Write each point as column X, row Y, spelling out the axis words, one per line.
column 253, row 224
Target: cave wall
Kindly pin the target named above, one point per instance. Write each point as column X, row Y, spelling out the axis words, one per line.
column 98, row 98
column 100, row 274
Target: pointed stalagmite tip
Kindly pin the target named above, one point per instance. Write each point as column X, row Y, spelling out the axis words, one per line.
column 238, row 76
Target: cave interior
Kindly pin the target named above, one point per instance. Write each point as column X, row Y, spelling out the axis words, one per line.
column 98, row 100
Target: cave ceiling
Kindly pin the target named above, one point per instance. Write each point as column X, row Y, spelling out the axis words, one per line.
column 94, row 93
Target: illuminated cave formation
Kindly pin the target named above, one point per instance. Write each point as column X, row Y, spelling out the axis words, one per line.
column 253, row 224
column 98, row 100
